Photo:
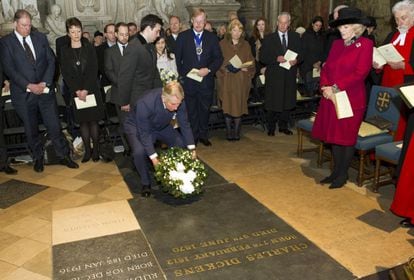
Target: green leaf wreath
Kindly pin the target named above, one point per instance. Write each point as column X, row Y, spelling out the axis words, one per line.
column 179, row 174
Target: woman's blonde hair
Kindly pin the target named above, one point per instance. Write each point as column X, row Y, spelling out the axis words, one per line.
column 358, row 28
column 234, row 23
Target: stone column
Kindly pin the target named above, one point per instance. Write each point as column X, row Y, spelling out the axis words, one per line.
column 250, row 10
column 271, row 9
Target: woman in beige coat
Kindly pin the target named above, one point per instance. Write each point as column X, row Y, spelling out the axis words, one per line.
column 233, row 81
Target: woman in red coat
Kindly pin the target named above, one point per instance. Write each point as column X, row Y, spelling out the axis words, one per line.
column 346, row 68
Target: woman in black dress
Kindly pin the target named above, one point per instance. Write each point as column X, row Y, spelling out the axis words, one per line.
column 79, row 67
column 260, row 30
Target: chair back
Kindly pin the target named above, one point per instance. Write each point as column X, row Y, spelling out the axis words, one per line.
column 385, row 102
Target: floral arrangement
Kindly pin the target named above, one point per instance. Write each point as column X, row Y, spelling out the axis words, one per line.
column 180, row 174
column 168, row 76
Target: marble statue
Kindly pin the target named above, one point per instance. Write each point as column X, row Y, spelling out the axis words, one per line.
column 9, row 8
column 87, row 6
column 55, row 24
column 162, row 8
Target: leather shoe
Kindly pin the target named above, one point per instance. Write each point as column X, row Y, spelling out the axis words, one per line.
column 68, row 162
column 205, row 142
column 327, row 180
column 8, row 170
column 337, row 183
column 286, row 131
column 38, row 165
column 406, row 223
column 146, row 191
column 271, row 133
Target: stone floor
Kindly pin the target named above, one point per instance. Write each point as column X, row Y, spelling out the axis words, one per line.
column 351, row 224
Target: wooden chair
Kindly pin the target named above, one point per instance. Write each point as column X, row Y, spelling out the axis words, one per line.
column 390, row 154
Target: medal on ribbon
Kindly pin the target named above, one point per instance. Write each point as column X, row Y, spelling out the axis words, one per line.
column 198, row 43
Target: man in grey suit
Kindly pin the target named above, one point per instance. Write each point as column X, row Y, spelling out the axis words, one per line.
column 29, row 63
column 113, row 56
column 138, row 71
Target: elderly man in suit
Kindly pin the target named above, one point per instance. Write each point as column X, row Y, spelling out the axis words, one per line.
column 152, row 119
column 280, row 88
column 138, row 71
column 112, row 60
column 197, row 48
column 29, row 63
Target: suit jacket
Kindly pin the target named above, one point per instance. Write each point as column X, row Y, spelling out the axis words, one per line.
column 171, row 43
column 100, row 54
column 150, row 116
column 138, row 72
column 186, row 57
column 20, row 70
column 113, row 58
column 280, row 87
column 87, row 77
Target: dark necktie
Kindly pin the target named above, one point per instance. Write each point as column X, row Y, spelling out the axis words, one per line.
column 123, row 50
column 28, row 51
column 284, row 45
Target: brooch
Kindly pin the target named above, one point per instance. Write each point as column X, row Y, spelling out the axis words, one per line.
column 358, row 45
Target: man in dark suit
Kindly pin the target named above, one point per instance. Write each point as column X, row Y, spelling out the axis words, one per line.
column 4, row 163
column 198, row 49
column 109, row 33
column 280, row 87
column 112, row 60
column 138, row 70
column 175, row 26
column 29, row 63
column 152, row 119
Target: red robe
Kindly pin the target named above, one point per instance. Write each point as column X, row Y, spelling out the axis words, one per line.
column 393, row 77
column 403, row 203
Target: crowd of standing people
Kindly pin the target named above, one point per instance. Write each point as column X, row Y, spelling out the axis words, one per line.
column 131, row 58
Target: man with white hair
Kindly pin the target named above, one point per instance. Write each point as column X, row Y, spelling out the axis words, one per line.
column 280, row 88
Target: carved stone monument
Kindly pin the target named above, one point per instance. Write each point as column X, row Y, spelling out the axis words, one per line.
column 217, row 10
column 55, row 24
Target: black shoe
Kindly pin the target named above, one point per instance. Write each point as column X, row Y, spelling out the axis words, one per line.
column 86, row 158
column 406, row 223
column 67, row 161
column 286, row 131
column 271, row 133
column 38, row 165
column 327, row 180
column 95, row 155
column 338, row 183
column 205, row 142
column 146, row 191
column 8, row 170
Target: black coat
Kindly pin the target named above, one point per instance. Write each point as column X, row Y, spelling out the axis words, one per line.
column 313, row 47
column 280, row 86
column 82, row 77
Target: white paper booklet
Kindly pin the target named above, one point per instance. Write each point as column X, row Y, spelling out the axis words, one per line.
column 407, row 95
column 388, row 53
column 237, row 63
column 193, row 74
column 289, row 55
column 262, row 79
column 90, row 102
column 342, row 105
column 316, row 72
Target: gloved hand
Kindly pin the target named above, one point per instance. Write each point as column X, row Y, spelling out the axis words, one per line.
column 232, row 69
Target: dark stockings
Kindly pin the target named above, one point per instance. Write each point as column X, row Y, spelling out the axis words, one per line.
column 233, row 127
column 342, row 157
column 90, row 130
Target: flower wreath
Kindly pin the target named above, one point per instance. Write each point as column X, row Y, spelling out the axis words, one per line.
column 168, row 76
column 180, row 174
